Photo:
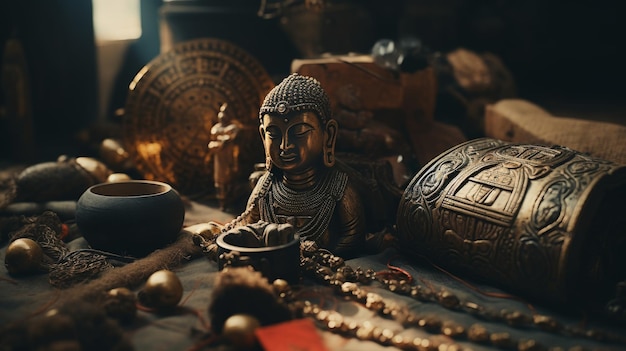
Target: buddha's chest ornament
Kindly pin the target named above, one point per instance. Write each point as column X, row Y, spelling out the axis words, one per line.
column 310, row 210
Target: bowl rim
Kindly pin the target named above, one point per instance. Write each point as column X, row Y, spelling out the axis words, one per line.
column 243, row 249
column 166, row 186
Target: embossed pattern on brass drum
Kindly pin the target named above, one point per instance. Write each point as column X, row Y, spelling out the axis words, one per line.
column 545, row 222
column 173, row 103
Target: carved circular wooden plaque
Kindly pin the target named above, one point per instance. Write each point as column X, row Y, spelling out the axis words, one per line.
column 173, row 102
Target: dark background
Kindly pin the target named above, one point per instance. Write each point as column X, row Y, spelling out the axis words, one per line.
column 564, row 55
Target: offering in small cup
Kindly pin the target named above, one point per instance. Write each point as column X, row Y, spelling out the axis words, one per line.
column 272, row 249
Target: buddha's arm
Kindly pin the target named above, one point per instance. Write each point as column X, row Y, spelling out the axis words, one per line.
column 251, row 214
column 205, row 234
column 351, row 221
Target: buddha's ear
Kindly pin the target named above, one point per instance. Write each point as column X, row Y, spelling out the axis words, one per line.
column 262, row 131
column 268, row 159
column 330, row 139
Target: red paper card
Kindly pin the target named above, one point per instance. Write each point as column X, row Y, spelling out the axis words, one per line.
column 296, row 335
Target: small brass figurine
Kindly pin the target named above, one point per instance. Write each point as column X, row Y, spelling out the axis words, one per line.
column 225, row 151
column 302, row 185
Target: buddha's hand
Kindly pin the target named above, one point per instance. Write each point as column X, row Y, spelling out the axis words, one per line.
column 278, row 234
column 245, row 236
column 204, row 235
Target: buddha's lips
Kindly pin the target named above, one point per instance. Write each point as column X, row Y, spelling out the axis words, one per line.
column 288, row 157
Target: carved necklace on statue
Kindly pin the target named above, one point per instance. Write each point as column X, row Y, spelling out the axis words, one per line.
column 347, row 282
column 309, row 210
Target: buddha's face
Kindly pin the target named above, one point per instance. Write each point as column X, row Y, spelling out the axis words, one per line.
column 294, row 143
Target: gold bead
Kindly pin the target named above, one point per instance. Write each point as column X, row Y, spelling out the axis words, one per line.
column 239, row 330
column 449, row 347
column 23, row 256
column 392, row 285
column 411, row 319
column 333, row 324
column 452, row 329
column 163, row 289
column 401, row 341
column 515, row 318
column 502, row 340
column 352, row 327
column 386, row 335
column 377, row 332
column 417, row 341
column 448, row 299
column 349, row 287
column 334, row 315
column 374, row 302
column 322, row 315
column 545, row 322
column 472, row 308
column 430, row 323
column 477, row 333
column 425, row 345
column 360, row 295
column 529, row 345
column 280, row 286
column 365, row 332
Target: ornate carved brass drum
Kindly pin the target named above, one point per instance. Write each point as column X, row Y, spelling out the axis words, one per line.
column 546, row 222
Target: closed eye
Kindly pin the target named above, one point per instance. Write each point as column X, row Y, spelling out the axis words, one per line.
column 301, row 130
column 272, row 133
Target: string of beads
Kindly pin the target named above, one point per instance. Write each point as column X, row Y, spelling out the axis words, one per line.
column 348, row 282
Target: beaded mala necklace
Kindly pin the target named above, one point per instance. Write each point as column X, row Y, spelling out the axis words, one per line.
column 347, row 281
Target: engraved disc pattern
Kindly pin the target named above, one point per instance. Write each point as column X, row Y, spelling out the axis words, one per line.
column 173, row 103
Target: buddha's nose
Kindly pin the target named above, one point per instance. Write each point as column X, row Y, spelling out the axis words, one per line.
column 285, row 144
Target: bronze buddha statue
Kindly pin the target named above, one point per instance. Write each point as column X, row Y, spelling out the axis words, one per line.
column 302, row 185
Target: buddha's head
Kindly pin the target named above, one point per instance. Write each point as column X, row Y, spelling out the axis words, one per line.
column 296, row 126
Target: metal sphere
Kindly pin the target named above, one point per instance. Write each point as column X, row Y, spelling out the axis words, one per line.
column 239, row 330
column 163, row 289
column 23, row 256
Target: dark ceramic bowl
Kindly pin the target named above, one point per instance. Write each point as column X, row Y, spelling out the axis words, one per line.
column 281, row 261
column 132, row 217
